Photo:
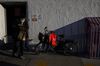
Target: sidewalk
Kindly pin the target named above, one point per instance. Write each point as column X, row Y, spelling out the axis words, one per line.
column 90, row 62
column 45, row 59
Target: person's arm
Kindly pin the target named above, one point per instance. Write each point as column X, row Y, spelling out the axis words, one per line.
column 50, row 39
column 20, row 25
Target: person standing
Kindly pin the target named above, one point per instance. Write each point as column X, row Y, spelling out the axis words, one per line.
column 22, row 36
column 40, row 38
column 52, row 40
column 46, row 39
column 15, row 37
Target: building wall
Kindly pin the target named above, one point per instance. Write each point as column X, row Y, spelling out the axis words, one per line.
column 57, row 13
column 12, row 0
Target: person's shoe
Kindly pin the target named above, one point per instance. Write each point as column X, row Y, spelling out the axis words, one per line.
column 14, row 55
column 21, row 57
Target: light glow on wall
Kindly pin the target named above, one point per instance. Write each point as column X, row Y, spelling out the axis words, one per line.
column 3, row 30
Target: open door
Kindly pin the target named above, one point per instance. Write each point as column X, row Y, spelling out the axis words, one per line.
column 3, row 29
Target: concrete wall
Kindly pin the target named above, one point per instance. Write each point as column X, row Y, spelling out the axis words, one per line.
column 12, row 0
column 57, row 13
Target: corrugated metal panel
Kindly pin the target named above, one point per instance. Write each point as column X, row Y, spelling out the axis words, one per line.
column 98, row 47
column 87, row 33
column 93, row 34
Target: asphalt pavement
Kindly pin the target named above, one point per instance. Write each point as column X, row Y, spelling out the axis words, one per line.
column 45, row 59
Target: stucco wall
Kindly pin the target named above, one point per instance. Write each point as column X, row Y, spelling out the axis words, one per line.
column 12, row 0
column 57, row 13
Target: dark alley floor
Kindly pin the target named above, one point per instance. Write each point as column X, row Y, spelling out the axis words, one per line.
column 45, row 59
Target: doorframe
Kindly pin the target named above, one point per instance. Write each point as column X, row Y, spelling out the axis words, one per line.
column 27, row 10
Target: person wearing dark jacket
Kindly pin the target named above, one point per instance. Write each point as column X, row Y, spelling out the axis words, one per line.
column 46, row 39
column 40, row 38
column 21, row 38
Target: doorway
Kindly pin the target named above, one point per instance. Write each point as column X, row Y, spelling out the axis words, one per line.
column 14, row 11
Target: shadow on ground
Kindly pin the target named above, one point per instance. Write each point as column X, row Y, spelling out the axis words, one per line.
column 2, row 63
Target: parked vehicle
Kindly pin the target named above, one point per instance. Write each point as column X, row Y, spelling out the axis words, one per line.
column 67, row 47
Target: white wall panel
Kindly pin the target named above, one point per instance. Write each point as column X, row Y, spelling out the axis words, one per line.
column 3, row 30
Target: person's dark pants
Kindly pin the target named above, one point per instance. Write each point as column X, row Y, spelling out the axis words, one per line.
column 43, row 46
column 49, row 47
column 20, row 48
column 26, row 45
column 15, row 48
column 41, row 42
